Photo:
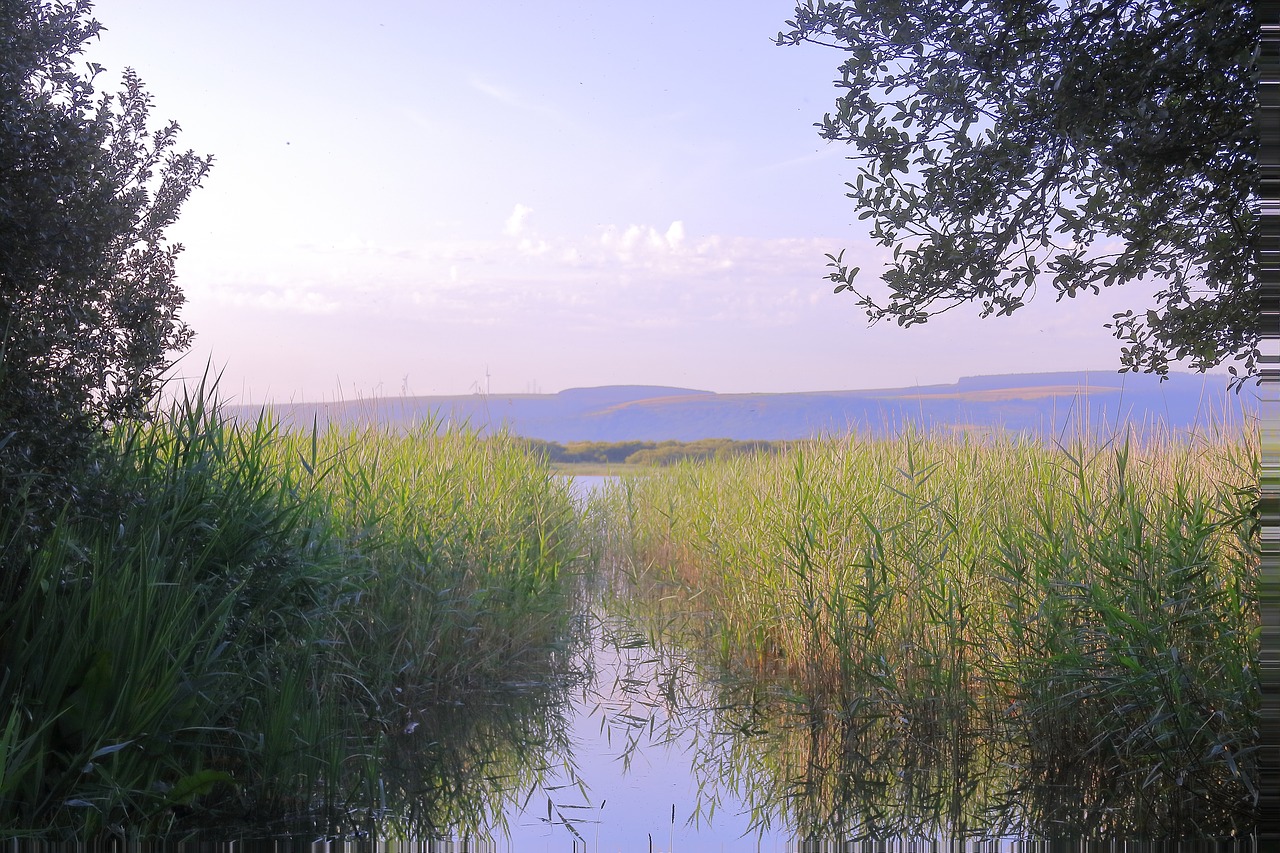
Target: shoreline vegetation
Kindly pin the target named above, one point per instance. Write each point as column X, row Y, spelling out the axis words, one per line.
column 607, row 457
column 1084, row 615
column 363, row 630
column 254, row 629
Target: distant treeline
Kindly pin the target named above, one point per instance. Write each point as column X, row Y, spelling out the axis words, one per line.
column 650, row 452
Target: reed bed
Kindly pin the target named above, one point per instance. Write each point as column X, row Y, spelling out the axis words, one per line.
column 1093, row 605
column 258, row 629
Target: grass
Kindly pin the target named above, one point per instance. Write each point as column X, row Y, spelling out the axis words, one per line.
column 253, row 624
column 1093, row 606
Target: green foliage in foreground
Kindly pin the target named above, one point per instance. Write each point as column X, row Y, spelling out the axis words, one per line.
column 247, row 634
column 1091, row 610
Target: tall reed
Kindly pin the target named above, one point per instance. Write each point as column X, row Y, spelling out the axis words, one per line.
column 245, row 632
column 463, row 547
column 1095, row 602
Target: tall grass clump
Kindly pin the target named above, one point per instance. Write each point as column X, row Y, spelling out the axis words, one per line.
column 247, row 625
column 464, row 549
column 1094, row 605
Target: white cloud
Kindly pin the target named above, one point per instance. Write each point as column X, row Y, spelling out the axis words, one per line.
column 516, row 221
column 617, row 276
column 675, row 234
column 529, row 246
column 642, row 241
column 291, row 300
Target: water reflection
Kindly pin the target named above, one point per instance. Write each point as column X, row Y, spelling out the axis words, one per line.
column 857, row 764
column 445, row 778
column 638, row 743
column 774, row 768
column 456, row 770
column 673, row 753
column 851, row 772
column 631, row 781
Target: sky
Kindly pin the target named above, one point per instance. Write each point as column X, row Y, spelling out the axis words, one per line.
column 423, row 197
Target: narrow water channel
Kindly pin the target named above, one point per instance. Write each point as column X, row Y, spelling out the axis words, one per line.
column 632, row 782
column 654, row 755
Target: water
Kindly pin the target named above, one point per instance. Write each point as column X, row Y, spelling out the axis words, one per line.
column 582, row 485
column 632, row 782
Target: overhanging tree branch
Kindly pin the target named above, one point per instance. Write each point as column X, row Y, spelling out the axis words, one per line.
column 1129, row 119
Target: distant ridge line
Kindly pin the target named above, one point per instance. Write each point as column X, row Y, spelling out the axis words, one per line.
column 1022, row 402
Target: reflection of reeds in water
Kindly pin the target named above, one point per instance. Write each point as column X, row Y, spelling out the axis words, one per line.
column 456, row 773
column 1086, row 614
column 247, row 624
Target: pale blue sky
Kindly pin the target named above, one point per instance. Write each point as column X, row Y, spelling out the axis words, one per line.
column 567, row 193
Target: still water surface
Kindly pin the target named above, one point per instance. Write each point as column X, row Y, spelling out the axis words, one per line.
column 583, row 485
column 632, row 782
column 663, row 756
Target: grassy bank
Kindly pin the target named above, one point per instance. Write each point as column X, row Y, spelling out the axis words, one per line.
column 1094, row 607
column 647, row 454
column 249, row 626
column 598, row 469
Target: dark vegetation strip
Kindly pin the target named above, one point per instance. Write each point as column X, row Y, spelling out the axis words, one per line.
column 649, row 453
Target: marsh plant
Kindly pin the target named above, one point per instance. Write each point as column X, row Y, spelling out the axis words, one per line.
column 1089, row 607
column 249, row 624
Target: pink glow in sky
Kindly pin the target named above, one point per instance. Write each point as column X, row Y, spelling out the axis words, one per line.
column 407, row 193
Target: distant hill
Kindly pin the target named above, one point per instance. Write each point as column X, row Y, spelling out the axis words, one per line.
column 1039, row 403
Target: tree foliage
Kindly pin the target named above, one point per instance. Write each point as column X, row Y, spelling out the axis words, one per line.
column 88, row 302
column 1099, row 142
